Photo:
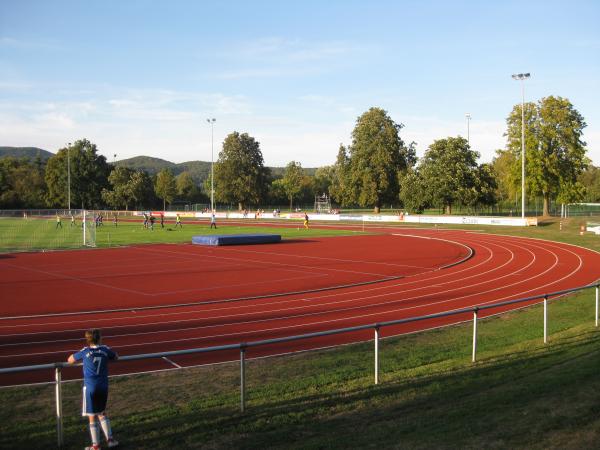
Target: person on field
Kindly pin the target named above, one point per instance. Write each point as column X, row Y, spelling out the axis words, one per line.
column 145, row 220
column 178, row 221
column 72, row 220
column 152, row 219
column 162, row 220
column 95, row 358
column 213, row 221
column 58, row 221
column 306, row 221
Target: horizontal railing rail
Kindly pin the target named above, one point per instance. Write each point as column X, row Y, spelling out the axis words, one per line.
column 243, row 346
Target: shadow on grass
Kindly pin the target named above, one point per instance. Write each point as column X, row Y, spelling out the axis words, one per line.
column 491, row 404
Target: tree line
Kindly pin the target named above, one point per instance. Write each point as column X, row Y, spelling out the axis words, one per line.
column 377, row 169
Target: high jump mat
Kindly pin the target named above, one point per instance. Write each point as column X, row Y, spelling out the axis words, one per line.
column 236, row 239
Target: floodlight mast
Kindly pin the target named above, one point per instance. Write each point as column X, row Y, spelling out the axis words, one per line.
column 522, row 77
column 69, row 176
column 468, row 116
column 212, row 164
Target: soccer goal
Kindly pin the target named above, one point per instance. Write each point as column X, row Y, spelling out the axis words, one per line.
column 89, row 224
column 48, row 229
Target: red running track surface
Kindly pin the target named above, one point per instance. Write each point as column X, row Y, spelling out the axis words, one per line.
column 228, row 295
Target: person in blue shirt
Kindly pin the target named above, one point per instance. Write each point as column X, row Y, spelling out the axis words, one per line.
column 95, row 358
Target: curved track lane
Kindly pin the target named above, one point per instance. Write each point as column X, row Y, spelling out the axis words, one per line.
column 409, row 274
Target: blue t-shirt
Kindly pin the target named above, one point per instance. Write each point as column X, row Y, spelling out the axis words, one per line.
column 95, row 364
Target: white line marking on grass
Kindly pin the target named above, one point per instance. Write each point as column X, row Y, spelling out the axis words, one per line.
column 169, row 361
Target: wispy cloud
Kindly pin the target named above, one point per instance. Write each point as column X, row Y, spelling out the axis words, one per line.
column 28, row 44
column 277, row 57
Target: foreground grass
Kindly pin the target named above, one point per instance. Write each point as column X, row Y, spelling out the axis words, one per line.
column 520, row 394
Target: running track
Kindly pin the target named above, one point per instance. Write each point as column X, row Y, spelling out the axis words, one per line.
column 171, row 297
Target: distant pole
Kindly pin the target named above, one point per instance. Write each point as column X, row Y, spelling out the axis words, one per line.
column 212, row 163
column 522, row 77
column 468, row 116
column 69, row 176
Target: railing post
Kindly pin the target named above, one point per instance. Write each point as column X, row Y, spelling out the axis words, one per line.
column 59, row 420
column 243, row 377
column 545, row 319
column 475, row 311
column 376, row 354
column 597, row 288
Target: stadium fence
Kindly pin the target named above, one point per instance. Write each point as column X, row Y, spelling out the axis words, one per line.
column 243, row 346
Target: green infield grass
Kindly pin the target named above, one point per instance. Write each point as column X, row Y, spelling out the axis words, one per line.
column 43, row 234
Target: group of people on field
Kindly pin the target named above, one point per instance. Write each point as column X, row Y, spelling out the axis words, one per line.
column 149, row 220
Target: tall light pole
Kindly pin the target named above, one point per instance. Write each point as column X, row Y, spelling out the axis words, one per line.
column 468, row 116
column 212, row 163
column 69, row 176
column 522, row 77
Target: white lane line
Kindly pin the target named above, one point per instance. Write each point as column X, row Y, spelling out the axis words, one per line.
column 377, row 313
column 221, row 310
column 169, row 361
column 388, row 302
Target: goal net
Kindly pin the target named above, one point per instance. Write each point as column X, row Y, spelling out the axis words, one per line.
column 49, row 229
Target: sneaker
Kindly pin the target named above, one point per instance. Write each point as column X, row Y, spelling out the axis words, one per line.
column 112, row 443
column 93, row 447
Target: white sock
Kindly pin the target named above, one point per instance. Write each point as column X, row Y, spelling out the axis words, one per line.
column 94, row 433
column 105, row 424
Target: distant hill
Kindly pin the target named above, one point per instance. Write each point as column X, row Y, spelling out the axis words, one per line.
column 198, row 169
column 25, row 152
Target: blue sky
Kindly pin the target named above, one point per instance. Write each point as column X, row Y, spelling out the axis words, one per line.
column 141, row 77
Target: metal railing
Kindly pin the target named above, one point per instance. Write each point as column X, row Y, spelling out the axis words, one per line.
column 243, row 346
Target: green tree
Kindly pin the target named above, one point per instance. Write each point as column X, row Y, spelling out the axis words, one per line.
column 22, row 183
column 555, row 153
column 142, row 189
column 186, row 188
column 376, row 157
column 483, row 193
column 120, row 195
column 339, row 189
column 240, row 174
column 590, row 180
column 165, row 186
column 323, row 179
column 89, row 175
column 414, row 194
column 292, row 180
column 277, row 194
column 503, row 166
column 449, row 170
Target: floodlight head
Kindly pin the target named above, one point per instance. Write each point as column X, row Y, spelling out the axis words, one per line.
column 521, row 76
column 468, row 115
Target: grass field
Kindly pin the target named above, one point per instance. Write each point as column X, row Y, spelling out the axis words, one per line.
column 36, row 234
column 520, row 394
